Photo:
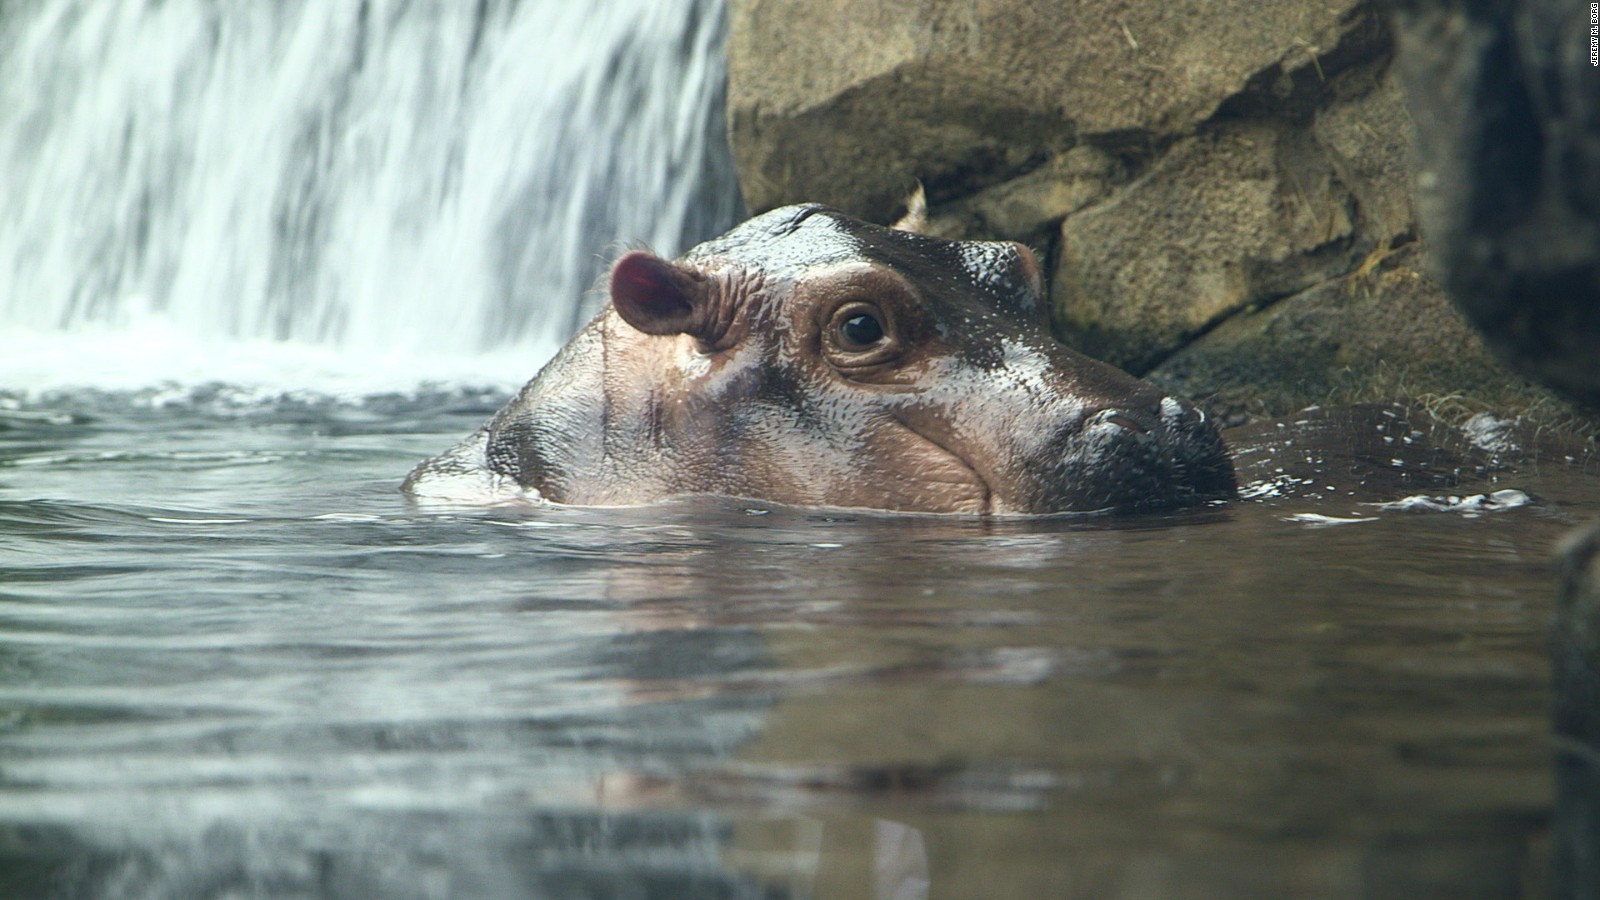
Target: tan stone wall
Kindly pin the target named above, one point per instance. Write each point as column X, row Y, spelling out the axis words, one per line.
column 1222, row 189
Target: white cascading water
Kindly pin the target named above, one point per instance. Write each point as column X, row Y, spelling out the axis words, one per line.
column 343, row 195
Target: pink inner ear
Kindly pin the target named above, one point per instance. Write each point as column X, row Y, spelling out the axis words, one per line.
column 652, row 294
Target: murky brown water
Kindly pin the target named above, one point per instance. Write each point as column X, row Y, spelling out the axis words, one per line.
column 234, row 662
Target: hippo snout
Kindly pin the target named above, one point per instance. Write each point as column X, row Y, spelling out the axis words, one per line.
column 1131, row 458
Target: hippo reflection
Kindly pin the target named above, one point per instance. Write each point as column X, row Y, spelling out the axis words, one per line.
column 809, row 358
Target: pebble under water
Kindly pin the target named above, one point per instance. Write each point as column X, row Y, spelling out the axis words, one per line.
column 236, row 662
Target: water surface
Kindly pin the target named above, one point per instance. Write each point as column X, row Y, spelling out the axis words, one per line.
column 235, row 661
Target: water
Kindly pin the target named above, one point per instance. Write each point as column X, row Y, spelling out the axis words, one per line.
column 260, row 259
column 235, row 661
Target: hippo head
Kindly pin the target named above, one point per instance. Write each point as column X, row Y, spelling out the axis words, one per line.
column 810, row 358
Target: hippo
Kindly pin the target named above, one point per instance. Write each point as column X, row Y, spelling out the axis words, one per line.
column 812, row 359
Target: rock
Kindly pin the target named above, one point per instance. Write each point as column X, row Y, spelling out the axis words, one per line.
column 847, row 101
column 1507, row 110
column 1229, row 219
column 1575, row 651
column 1028, row 207
column 1235, row 219
column 1366, row 134
column 1388, row 332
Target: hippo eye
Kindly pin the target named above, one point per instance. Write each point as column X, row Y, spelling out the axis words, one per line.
column 862, row 338
column 860, row 331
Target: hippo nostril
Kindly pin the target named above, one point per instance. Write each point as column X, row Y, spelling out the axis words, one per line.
column 1126, row 422
column 1120, row 418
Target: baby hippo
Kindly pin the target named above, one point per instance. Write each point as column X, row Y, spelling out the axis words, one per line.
column 812, row 359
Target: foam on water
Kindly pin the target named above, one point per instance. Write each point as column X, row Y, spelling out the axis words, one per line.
column 158, row 357
column 1470, row 505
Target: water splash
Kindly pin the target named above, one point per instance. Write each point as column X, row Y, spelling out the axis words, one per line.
column 339, row 192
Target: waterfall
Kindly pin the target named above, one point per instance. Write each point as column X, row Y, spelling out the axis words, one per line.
column 380, row 190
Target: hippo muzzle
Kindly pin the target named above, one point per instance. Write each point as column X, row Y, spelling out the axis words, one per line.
column 1048, row 430
column 1129, row 459
column 812, row 359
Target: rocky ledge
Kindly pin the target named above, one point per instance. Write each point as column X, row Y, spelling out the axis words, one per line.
column 1223, row 190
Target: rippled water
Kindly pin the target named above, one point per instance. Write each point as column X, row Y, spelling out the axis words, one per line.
column 235, row 662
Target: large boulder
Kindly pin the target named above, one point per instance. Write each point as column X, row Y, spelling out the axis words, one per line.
column 849, row 101
column 1506, row 99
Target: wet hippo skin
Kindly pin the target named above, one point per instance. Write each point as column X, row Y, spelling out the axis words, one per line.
column 809, row 358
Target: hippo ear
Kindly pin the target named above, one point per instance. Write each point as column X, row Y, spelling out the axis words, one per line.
column 916, row 218
column 656, row 296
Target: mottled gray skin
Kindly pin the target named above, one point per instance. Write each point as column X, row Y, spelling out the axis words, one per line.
column 749, row 368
